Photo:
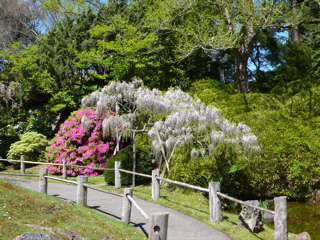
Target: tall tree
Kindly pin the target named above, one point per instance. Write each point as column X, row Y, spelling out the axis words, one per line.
column 19, row 21
column 49, row 78
column 220, row 25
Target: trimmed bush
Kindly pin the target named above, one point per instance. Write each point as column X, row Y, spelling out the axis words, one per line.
column 144, row 165
column 32, row 145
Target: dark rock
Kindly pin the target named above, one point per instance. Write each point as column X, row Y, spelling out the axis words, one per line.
column 303, row 236
column 36, row 236
column 60, row 231
column 251, row 218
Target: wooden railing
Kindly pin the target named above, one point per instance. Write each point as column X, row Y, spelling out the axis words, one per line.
column 64, row 167
column 215, row 207
column 280, row 203
column 156, row 220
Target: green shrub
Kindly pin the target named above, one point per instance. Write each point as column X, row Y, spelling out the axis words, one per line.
column 2, row 166
column 144, row 165
column 32, row 145
column 286, row 125
column 8, row 135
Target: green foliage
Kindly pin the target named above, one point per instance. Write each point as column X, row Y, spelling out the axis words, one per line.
column 296, row 62
column 235, row 26
column 49, row 78
column 32, row 145
column 125, row 49
column 286, row 129
column 70, row 7
column 125, row 155
column 8, row 135
column 2, row 166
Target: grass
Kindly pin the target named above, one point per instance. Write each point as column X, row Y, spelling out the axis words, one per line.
column 20, row 206
column 192, row 203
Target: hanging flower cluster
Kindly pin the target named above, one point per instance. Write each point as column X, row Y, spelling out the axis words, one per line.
column 187, row 122
column 80, row 141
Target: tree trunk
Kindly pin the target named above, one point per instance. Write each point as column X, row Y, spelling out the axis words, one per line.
column 242, row 54
column 241, row 71
column 294, row 31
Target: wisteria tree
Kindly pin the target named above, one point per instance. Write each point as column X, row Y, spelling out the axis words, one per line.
column 173, row 120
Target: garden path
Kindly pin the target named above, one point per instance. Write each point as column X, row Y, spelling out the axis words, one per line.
column 181, row 226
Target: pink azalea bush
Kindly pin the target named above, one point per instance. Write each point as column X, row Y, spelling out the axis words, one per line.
column 85, row 148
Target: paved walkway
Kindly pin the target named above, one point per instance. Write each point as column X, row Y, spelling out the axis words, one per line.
column 181, row 226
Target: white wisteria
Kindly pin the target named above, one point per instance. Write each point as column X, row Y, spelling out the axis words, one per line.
column 118, row 126
column 186, row 122
column 85, row 123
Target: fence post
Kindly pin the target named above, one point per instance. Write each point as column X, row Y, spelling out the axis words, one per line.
column 82, row 190
column 126, row 205
column 117, row 174
column 22, row 166
column 214, row 202
column 155, row 185
column 64, row 168
column 158, row 228
column 43, row 182
column 280, row 218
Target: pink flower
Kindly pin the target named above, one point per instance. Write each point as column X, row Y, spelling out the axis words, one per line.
column 79, row 147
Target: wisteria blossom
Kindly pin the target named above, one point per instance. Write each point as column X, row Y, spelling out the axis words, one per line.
column 81, row 142
column 185, row 122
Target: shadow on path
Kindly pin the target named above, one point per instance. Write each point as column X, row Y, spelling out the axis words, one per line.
column 136, row 225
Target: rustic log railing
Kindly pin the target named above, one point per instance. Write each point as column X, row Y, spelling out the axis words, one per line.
column 64, row 167
column 215, row 207
column 280, row 211
column 156, row 220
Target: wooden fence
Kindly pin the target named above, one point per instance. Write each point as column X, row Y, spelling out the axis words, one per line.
column 64, row 167
column 215, row 207
column 157, row 220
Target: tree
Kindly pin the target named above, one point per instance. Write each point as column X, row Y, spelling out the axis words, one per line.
column 222, row 25
column 19, row 21
column 174, row 121
column 123, row 50
column 48, row 76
